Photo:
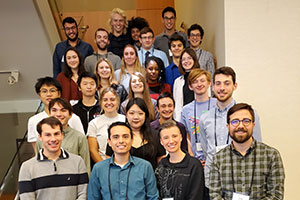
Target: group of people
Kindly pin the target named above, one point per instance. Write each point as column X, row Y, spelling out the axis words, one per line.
column 145, row 118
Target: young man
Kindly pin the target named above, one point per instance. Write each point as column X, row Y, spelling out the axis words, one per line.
column 122, row 176
column 47, row 88
column 165, row 105
column 176, row 46
column 205, row 58
column 102, row 41
column 118, row 37
column 147, row 49
column 246, row 169
column 212, row 126
column 53, row 173
column 74, row 142
column 179, row 176
column 199, row 81
column 88, row 108
column 71, row 31
column 162, row 41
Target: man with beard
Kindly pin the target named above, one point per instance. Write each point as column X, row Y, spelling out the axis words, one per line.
column 246, row 169
column 102, row 41
column 71, row 31
column 212, row 126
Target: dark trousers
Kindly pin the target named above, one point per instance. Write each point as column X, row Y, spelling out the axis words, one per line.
column 206, row 193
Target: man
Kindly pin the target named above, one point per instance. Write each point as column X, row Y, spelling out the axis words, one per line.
column 102, row 41
column 74, row 142
column 162, row 41
column 118, row 37
column 71, row 31
column 199, row 82
column 88, row 107
column 176, row 46
column 212, row 126
column 165, row 105
column 135, row 25
column 246, row 169
column 53, row 173
column 122, row 176
column 48, row 88
column 205, row 58
column 147, row 49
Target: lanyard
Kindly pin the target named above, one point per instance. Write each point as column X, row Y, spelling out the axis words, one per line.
column 109, row 185
column 216, row 142
column 232, row 176
column 195, row 115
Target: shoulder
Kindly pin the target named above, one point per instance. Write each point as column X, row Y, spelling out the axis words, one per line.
column 141, row 163
column 188, row 106
column 61, row 44
column 262, row 147
column 61, row 75
column 207, row 53
column 38, row 117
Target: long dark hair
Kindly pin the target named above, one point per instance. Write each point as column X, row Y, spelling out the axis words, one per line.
column 67, row 70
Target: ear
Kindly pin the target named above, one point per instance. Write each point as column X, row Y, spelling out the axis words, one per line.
column 227, row 125
column 191, row 87
column 140, row 40
column 109, row 142
column 40, row 137
column 161, row 142
column 235, row 86
column 59, row 94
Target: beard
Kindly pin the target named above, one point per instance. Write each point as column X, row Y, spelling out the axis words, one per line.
column 74, row 39
column 102, row 48
column 241, row 138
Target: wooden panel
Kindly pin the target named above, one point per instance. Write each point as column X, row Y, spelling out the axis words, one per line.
column 154, row 4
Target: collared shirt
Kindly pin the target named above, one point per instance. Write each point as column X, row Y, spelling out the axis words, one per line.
column 153, row 52
column 268, row 179
column 137, row 176
column 171, row 74
column 124, row 80
column 213, row 124
column 205, row 60
column 90, row 61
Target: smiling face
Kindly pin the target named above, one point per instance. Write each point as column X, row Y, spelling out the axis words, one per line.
column 117, row 23
column 152, row 71
column 71, row 31
column 104, row 70
column 135, row 34
column 129, row 56
column 187, row 62
column 147, row 40
column 110, row 103
column 72, row 59
column 171, row 139
column 101, row 39
column 223, row 87
column 200, row 85
column 47, row 93
column 166, row 108
column 176, row 48
column 136, row 84
column 195, row 38
column 169, row 20
column 120, row 140
column 61, row 113
column 135, row 117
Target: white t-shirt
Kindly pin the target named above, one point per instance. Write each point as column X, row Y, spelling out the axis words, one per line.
column 98, row 129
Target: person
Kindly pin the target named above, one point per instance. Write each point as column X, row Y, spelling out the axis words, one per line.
column 165, row 106
column 118, row 37
column 74, row 142
column 106, row 78
column 71, row 32
column 155, row 74
column 162, row 41
column 47, row 88
column 147, row 49
column 102, row 41
column 182, row 93
column 123, row 176
column 145, row 142
column 73, row 68
column 138, row 88
column 199, row 82
column 97, row 131
column 53, row 173
column 176, row 46
column 212, row 125
column 130, row 65
column 179, row 175
column 205, row 58
column 135, row 25
column 246, row 169
column 88, row 107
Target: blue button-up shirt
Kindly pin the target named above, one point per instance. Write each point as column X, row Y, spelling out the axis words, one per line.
column 141, row 184
column 153, row 52
column 209, row 126
column 171, row 74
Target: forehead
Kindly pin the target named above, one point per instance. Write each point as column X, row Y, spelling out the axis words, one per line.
column 46, row 128
column 202, row 76
column 119, row 130
column 241, row 114
column 69, row 24
column 135, row 108
column 176, row 42
column 71, row 53
column 103, row 64
column 129, row 49
column 166, row 100
column 147, row 34
column 170, row 131
column 102, row 33
column 152, row 63
column 223, row 78
column 45, row 86
column 196, row 31
column 168, row 14
column 87, row 79
column 108, row 95
column 117, row 16
column 186, row 54
column 135, row 78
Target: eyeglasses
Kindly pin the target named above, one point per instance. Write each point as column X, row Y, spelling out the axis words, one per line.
column 51, row 91
column 195, row 35
column 147, row 38
column 70, row 28
column 236, row 122
column 169, row 18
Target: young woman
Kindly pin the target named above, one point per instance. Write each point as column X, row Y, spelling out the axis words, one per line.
column 138, row 88
column 179, row 176
column 73, row 67
column 145, row 144
column 97, row 129
column 155, row 73
column 130, row 64
column 188, row 61
column 106, row 78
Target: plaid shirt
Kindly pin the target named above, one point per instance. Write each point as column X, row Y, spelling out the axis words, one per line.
column 268, row 180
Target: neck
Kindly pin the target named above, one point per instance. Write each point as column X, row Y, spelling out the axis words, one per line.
column 73, row 43
column 243, row 147
column 46, row 109
column 130, row 69
column 117, row 34
column 75, row 72
column 202, row 97
column 169, row 32
column 102, row 52
column 104, row 82
column 151, row 81
column 146, row 49
column 52, row 156
column 223, row 105
column 177, row 157
column 176, row 60
column 65, row 126
column 121, row 159
column 195, row 48
column 138, row 95
column 163, row 120
column 111, row 114
column 88, row 101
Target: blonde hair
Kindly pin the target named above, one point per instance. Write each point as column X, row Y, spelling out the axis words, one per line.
column 196, row 73
column 122, row 13
column 106, row 90
column 111, row 79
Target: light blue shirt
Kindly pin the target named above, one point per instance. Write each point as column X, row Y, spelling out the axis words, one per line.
column 124, row 79
column 153, row 52
column 214, row 123
column 141, row 184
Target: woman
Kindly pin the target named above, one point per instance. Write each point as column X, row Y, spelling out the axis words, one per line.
column 188, row 61
column 138, row 88
column 97, row 130
column 130, row 64
column 155, row 73
column 145, row 144
column 179, row 176
column 73, row 68
column 106, row 78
